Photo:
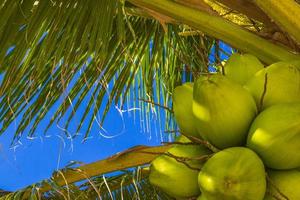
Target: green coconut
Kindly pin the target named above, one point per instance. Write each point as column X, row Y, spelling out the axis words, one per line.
column 223, row 110
column 176, row 178
column 284, row 185
column 201, row 197
column 282, row 84
column 241, row 67
column 235, row 173
column 275, row 136
column 182, row 106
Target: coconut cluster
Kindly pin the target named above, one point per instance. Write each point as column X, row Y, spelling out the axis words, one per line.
column 240, row 135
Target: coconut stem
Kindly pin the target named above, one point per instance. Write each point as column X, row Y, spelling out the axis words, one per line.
column 179, row 143
column 272, row 184
column 284, row 13
column 184, row 160
column 179, row 159
column 171, row 131
column 263, row 94
column 203, row 142
column 157, row 104
column 220, row 28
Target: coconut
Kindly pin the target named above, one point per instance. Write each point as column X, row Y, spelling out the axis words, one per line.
column 201, row 197
column 241, row 67
column 175, row 178
column 182, row 106
column 223, row 110
column 235, row 173
column 275, row 136
column 280, row 83
column 284, row 185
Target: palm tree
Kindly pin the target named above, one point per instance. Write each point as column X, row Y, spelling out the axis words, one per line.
column 144, row 47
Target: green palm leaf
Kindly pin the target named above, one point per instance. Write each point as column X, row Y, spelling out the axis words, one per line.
column 93, row 181
column 68, row 51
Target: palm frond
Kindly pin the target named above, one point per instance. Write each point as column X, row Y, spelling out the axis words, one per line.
column 91, row 55
column 3, row 192
column 220, row 28
column 52, row 40
column 130, row 184
column 123, row 176
column 282, row 14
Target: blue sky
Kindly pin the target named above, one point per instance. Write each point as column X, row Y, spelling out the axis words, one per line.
column 34, row 159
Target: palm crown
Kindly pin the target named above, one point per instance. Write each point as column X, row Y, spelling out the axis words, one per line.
column 117, row 52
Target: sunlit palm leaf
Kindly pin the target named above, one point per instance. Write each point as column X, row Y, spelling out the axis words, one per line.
column 92, row 181
column 133, row 184
column 71, row 51
column 57, row 38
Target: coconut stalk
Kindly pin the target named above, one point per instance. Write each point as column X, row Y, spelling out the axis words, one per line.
column 221, row 29
column 250, row 9
column 284, row 13
column 136, row 156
